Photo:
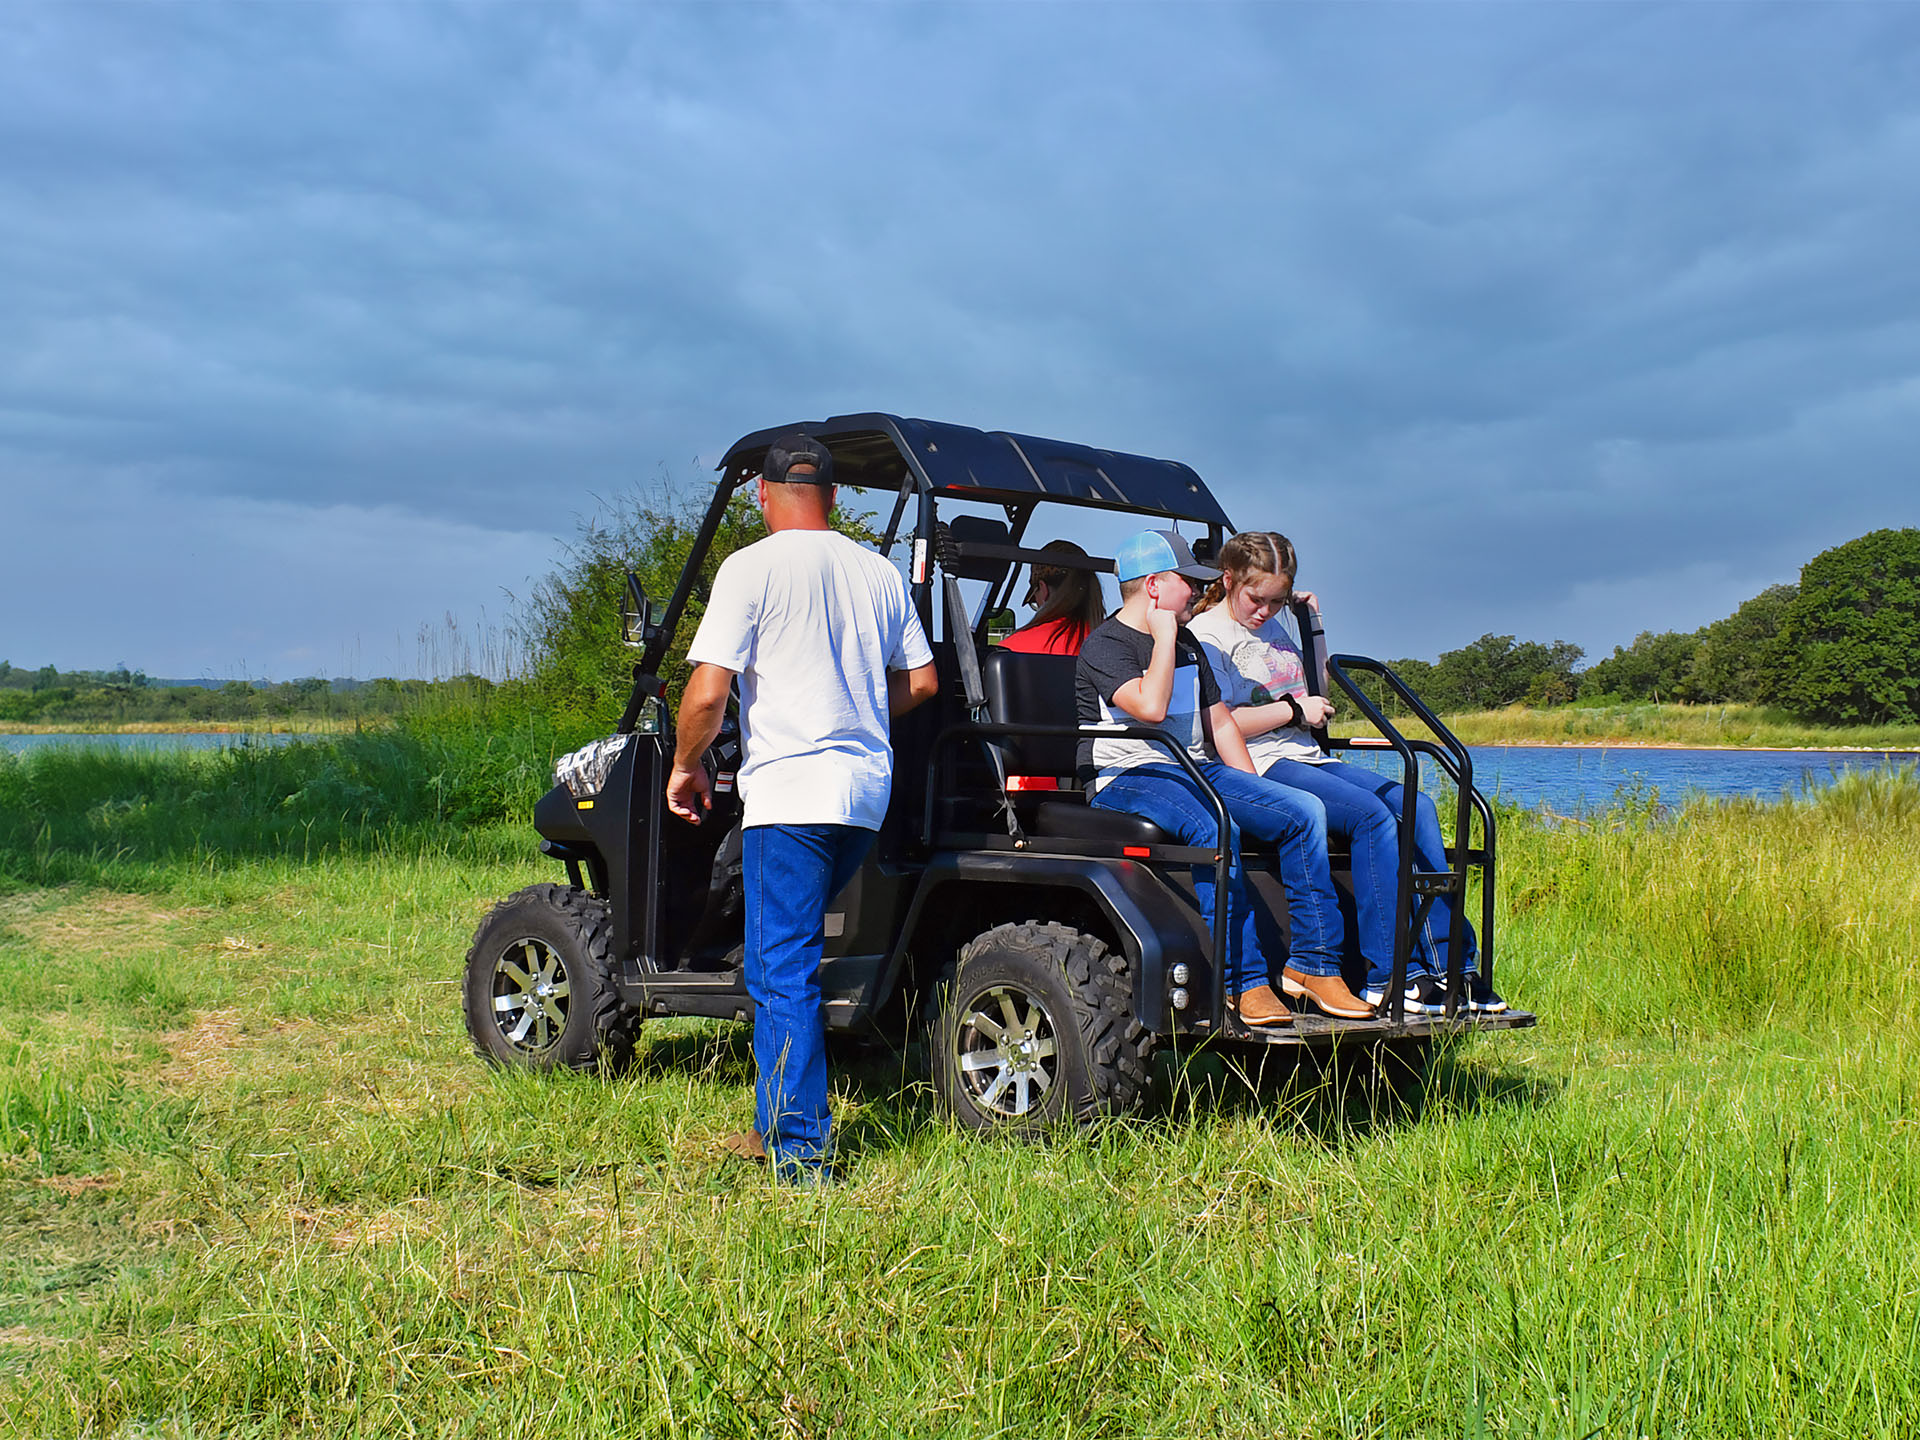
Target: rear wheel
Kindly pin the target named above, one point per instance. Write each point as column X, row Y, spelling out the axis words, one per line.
column 1033, row 1024
column 539, row 989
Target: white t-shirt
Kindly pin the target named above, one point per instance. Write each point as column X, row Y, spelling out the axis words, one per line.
column 811, row 622
column 1256, row 667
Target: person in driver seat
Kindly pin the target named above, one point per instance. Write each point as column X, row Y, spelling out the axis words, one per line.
column 1066, row 604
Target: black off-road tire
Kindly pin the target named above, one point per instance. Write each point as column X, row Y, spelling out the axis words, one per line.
column 1033, row 1024
column 539, row 991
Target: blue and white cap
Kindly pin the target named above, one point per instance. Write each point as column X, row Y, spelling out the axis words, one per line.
column 1152, row 551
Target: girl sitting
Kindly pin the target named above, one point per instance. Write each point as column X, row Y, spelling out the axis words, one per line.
column 1263, row 681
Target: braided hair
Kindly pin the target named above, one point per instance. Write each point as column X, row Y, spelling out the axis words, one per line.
column 1251, row 552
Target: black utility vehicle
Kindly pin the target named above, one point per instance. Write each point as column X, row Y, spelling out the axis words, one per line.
column 1049, row 947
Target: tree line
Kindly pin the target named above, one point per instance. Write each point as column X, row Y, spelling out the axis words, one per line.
column 50, row 696
column 1840, row 647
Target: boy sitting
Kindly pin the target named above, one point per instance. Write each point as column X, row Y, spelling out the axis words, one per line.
column 1140, row 665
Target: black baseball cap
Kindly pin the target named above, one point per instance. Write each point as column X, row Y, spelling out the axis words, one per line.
column 797, row 449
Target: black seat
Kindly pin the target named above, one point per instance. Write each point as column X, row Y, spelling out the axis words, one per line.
column 1027, row 689
column 1077, row 820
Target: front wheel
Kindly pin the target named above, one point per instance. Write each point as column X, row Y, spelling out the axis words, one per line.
column 539, row 989
column 1032, row 1024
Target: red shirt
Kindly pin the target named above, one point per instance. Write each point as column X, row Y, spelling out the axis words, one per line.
column 1056, row 637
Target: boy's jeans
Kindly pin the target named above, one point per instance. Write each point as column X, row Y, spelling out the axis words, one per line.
column 791, row 872
column 1292, row 821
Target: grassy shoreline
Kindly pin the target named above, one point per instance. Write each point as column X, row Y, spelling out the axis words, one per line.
column 293, row 725
column 254, row 1183
column 1705, row 727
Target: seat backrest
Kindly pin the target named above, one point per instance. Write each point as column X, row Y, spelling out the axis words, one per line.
column 1025, row 689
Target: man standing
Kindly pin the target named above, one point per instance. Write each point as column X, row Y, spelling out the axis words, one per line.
column 825, row 641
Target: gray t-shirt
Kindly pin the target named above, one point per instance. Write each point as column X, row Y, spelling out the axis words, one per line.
column 1111, row 656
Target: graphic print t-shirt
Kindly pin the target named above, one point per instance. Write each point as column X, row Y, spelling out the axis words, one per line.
column 812, row 622
column 1111, row 656
column 1257, row 667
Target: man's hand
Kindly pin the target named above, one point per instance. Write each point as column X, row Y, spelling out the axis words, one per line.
column 702, row 706
column 689, row 792
column 1162, row 625
column 1315, row 710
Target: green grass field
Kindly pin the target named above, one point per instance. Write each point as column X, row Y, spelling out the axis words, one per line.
column 254, row 1183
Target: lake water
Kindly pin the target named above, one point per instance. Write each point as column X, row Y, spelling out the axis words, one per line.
column 162, row 741
column 1574, row 779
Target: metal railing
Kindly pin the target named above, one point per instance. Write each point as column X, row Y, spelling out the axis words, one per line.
column 1452, row 757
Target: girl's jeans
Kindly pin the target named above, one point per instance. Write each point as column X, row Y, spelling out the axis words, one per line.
column 791, row 872
column 1293, row 822
column 1365, row 807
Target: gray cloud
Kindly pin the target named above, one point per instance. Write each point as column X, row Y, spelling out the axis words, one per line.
column 1576, row 319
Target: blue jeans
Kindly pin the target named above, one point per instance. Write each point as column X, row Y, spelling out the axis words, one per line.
column 791, row 872
column 1365, row 807
column 1293, row 822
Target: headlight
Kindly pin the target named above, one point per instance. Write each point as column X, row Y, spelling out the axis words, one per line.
column 584, row 772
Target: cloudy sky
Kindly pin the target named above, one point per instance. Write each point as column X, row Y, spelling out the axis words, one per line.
column 320, row 322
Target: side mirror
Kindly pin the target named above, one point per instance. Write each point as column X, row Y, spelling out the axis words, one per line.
column 1000, row 624
column 640, row 621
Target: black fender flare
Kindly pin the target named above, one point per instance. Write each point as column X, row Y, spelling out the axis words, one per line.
column 1155, row 924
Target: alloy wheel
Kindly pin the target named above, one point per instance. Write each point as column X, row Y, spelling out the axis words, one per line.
column 1008, row 1050
column 530, row 996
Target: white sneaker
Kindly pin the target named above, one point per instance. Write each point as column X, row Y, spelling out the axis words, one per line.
column 1424, row 995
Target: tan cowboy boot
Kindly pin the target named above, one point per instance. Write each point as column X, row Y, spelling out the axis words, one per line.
column 1260, row 1006
column 1326, row 993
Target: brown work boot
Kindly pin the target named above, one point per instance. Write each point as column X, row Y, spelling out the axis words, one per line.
column 1260, row 1006
column 1328, row 994
column 747, row 1145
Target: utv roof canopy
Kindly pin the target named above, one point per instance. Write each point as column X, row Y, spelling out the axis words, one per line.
column 883, row 451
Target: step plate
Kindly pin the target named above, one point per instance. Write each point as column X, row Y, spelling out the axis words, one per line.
column 1318, row 1029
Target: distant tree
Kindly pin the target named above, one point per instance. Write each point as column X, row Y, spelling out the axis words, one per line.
column 1738, row 658
column 1497, row 670
column 1850, row 639
column 45, row 678
column 580, row 666
column 572, row 622
column 1654, row 667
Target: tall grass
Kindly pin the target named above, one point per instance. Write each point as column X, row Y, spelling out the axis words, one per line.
column 80, row 813
column 1730, row 914
column 252, row 1181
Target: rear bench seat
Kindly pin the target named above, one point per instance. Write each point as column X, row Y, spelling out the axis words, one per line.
column 1038, row 690
column 1027, row 689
